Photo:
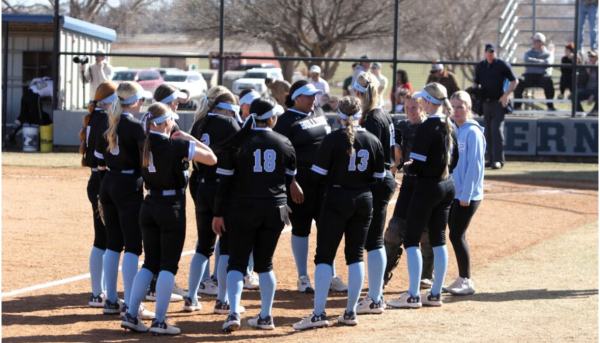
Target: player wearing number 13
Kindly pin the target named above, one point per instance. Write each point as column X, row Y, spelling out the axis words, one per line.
column 348, row 161
column 259, row 166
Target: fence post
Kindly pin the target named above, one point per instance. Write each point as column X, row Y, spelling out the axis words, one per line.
column 574, row 63
column 221, row 41
column 396, row 23
column 55, row 56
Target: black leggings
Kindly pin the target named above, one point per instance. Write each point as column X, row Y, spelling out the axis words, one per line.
column 346, row 212
column 429, row 208
column 205, row 205
column 93, row 189
column 382, row 193
column 458, row 223
column 121, row 196
column 162, row 220
column 255, row 225
column 303, row 214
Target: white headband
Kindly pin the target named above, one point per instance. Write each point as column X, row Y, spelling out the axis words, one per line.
column 108, row 100
column 359, row 87
column 276, row 111
column 173, row 96
column 137, row 96
column 355, row 116
column 307, row 89
column 248, row 98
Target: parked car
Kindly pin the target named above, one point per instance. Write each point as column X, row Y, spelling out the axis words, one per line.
column 255, row 79
column 163, row 71
column 147, row 78
column 191, row 81
column 244, row 67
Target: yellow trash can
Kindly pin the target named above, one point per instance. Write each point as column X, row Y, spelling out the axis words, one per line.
column 46, row 138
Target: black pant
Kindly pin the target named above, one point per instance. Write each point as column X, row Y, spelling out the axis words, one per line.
column 346, row 212
column 205, row 205
column 193, row 185
column 162, row 219
column 566, row 81
column 458, row 223
column 93, row 189
column 429, row 208
column 121, row 196
column 382, row 193
column 535, row 80
column 303, row 214
column 253, row 224
column 493, row 115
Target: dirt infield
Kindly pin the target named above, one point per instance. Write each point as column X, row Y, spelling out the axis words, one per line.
column 534, row 252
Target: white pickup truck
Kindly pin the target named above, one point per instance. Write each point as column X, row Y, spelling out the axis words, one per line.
column 255, row 79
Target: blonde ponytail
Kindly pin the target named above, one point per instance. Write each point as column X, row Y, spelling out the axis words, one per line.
column 439, row 92
column 371, row 94
column 124, row 91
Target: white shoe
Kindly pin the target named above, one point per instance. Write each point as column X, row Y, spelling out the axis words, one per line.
column 348, row 319
column 133, row 324
column 191, row 305
column 163, row 328
column 466, row 287
column 259, row 323
column 432, row 300
column 304, row 285
column 455, row 284
column 208, row 287
column 368, row 306
column 224, row 308
column 151, row 296
column 337, row 285
column 113, row 308
column 143, row 313
column 312, row 321
column 426, row 283
column 97, row 302
column 179, row 291
column 406, row 300
column 251, row 281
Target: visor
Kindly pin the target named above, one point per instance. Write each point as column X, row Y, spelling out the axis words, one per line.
column 424, row 95
column 248, row 98
column 358, row 87
column 108, row 100
column 355, row 116
column 137, row 96
column 176, row 95
column 307, row 89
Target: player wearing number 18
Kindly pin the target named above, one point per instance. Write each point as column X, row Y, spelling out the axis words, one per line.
column 259, row 166
column 348, row 161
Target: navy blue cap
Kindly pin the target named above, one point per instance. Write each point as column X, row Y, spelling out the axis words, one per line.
column 490, row 46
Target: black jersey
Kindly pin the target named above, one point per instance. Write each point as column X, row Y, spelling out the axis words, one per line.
column 429, row 149
column 126, row 156
column 305, row 131
column 96, row 127
column 339, row 168
column 167, row 170
column 217, row 129
column 259, row 165
column 405, row 138
column 380, row 124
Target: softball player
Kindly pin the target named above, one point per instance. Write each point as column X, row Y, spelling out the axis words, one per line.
column 256, row 170
column 348, row 161
column 162, row 216
column 213, row 124
column 121, row 193
column 394, row 235
column 376, row 121
column 94, row 124
column 247, row 96
column 432, row 160
column 468, row 179
column 306, row 127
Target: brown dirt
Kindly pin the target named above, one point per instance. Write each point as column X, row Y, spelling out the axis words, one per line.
column 47, row 236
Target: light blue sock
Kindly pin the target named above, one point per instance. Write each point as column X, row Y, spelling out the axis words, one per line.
column 217, row 257
column 103, row 278
column 164, row 288
column 96, row 262
column 235, row 285
column 323, row 278
column 267, row 292
column 138, row 290
column 333, row 272
column 440, row 266
column 199, row 261
column 111, row 274
column 300, row 250
column 129, row 269
column 250, row 263
column 376, row 262
column 206, row 273
column 222, row 278
column 414, row 261
column 356, row 277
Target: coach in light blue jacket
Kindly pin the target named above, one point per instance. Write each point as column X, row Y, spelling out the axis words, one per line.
column 468, row 181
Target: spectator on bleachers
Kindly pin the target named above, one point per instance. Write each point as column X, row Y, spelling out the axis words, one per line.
column 589, row 9
column 329, row 103
column 441, row 75
column 537, row 77
column 383, row 81
column 348, row 81
column 316, row 80
column 566, row 73
column 402, row 83
column 588, row 84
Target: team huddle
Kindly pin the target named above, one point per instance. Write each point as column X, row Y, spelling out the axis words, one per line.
column 258, row 166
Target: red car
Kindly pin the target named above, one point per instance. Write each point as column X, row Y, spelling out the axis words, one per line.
column 147, row 78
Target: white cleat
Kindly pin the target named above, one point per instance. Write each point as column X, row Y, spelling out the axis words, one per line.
column 304, row 285
column 337, row 285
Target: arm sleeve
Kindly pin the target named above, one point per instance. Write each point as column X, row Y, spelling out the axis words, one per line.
column 474, row 167
column 419, row 151
column 290, row 164
column 322, row 162
column 225, row 170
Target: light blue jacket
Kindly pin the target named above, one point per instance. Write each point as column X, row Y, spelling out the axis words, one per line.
column 468, row 174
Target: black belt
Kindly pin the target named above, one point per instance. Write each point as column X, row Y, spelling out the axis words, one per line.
column 492, row 100
column 208, row 181
column 166, row 192
column 118, row 171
